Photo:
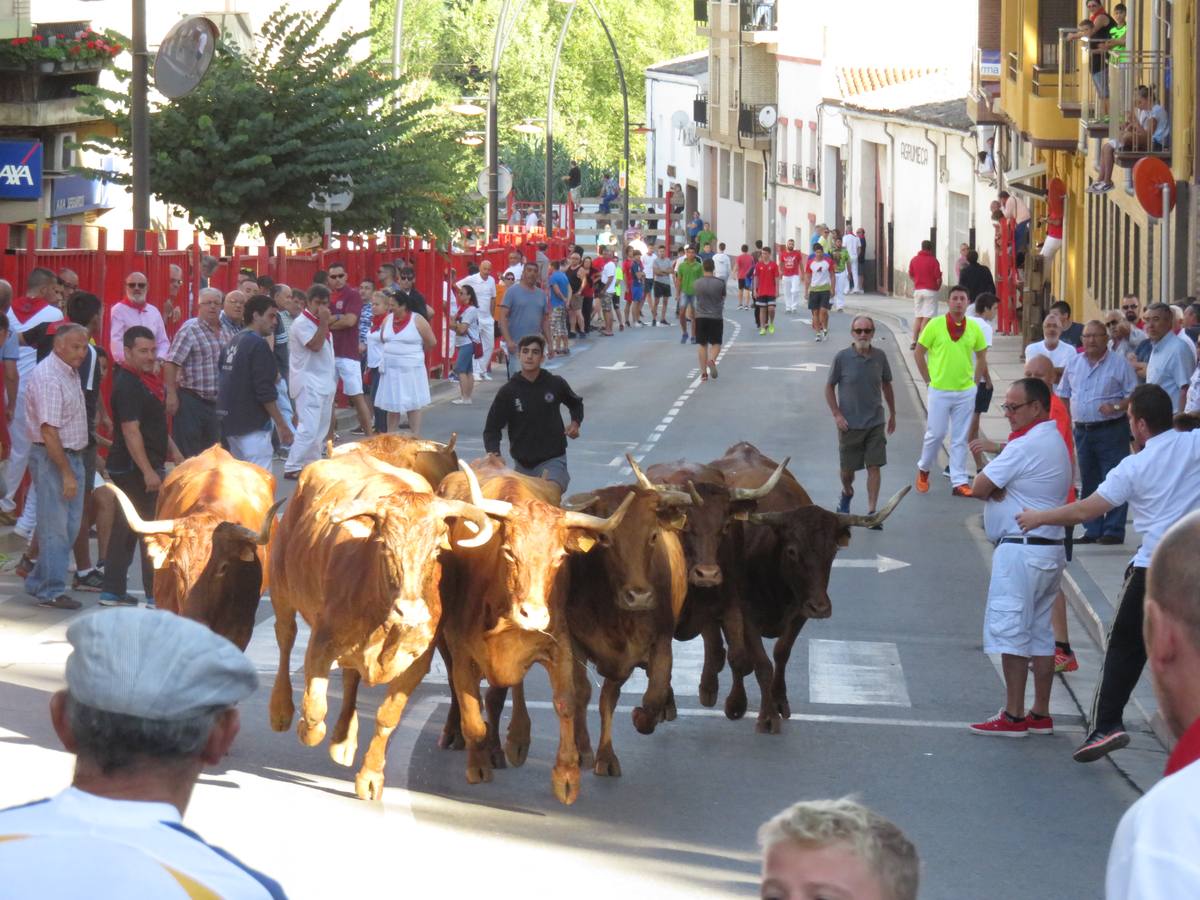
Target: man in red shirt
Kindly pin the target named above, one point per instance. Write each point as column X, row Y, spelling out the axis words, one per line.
column 790, row 261
column 745, row 270
column 345, row 308
column 926, row 275
column 766, row 290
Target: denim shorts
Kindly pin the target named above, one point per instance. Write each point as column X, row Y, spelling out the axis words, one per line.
column 464, row 362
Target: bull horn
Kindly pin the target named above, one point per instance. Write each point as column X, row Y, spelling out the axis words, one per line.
column 875, row 518
column 264, row 533
column 329, row 449
column 596, row 523
column 580, row 502
column 762, row 490
column 696, row 498
column 767, row 518
column 136, row 523
column 638, row 473
column 471, row 515
column 670, row 497
column 412, row 480
column 453, row 440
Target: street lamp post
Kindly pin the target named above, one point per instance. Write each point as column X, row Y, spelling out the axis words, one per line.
column 562, row 36
column 139, row 126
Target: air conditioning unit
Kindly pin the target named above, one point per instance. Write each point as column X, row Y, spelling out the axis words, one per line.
column 62, row 155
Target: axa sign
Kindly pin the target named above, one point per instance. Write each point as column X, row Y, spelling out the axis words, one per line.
column 20, row 170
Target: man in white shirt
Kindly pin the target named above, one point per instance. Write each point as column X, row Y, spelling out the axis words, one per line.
column 1158, row 498
column 722, row 264
column 485, row 295
column 531, row 220
column 1153, row 854
column 151, row 701
column 516, row 265
column 312, row 381
column 1057, row 351
column 851, row 244
column 1033, row 471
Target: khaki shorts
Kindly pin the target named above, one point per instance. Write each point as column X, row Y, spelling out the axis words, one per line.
column 861, row 448
column 606, row 303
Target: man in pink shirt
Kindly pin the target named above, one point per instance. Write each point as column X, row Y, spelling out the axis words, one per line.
column 132, row 310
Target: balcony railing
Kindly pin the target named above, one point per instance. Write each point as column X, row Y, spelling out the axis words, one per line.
column 748, row 125
column 700, row 10
column 1139, row 90
column 1071, row 75
column 810, row 176
column 759, row 15
column 700, row 110
column 783, row 171
column 797, row 173
column 1012, row 65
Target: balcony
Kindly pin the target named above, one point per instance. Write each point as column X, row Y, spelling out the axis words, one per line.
column 810, row 176
column 33, row 99
column 1142, row 69
column 1069, row 73
column 797, row 173
column 748, row 124
column 985, row 87
column 759, row 15
column 700, row 110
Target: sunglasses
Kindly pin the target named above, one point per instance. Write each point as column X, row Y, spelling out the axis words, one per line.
column 135, row 284
column 863, row 330
column 404, row 278
column 1129, row 307
column 338, row 277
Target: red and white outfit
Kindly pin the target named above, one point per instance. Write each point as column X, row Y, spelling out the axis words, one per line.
column 312, row 382
column 926, row 275
column 403, row 381
column 485, row 296
column 790, row 262
column 1054, row 240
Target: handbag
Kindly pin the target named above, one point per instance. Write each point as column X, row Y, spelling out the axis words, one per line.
column 478, row 352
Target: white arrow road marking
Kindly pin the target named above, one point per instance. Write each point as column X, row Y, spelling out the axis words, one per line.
column 798, row 367
column 617, row 367
column 879, row 563
column 802, row 321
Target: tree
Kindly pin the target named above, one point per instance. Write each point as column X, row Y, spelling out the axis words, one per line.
column 259, row 137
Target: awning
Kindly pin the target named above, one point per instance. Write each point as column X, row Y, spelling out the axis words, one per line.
column 1016, row 180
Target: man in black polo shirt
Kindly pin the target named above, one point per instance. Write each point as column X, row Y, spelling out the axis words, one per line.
column 529, row 406
column 246, row 399
column 405, row 289
column 135, row 463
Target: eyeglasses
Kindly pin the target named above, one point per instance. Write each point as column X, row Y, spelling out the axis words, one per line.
column 135, row 284
column 863, row 330
column 1013, row 407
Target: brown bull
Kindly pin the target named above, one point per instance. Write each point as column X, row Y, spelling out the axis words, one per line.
column 626, row 596
column 430, row 459
column 357, row 555
column 209, row 544
column 786, row 548
column 505, row 611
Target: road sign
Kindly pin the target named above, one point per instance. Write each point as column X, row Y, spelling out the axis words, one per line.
column 798, row 367
column 20, row 170
column 1150, row 176
column 879, row 563
column 334, row 202
column 617, row 367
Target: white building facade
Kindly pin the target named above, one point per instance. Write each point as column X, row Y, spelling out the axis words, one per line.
column 673, row 153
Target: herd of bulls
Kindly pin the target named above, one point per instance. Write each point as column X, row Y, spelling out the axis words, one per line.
column 392, row 548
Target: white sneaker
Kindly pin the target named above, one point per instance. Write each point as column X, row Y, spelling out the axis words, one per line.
column 819, row 337
column 486, row 376
column 461, row 401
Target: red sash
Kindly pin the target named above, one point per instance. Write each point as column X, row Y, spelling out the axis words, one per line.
column 154, row 383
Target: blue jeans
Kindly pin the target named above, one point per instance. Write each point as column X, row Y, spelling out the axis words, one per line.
column 57, row 522
column 1098, row 451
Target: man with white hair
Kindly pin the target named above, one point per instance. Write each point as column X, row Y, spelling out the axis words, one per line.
column 173, row 306
column 191, row 377
column 133, row 309
column 151, row 700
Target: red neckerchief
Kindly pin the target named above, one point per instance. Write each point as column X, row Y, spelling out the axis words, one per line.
column 28, row 307
column 154, row 383
column 377, row 324
column 1187, row 751
column 1021, row 432
column 956, row 331
column 399, row 325
column 308, row 315
column 127, row 302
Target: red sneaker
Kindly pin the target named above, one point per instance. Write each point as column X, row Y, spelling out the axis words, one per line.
column 1065, row 662
column 963, row 490
column 922, row 482
column 1039, row 724
column 1001, row 725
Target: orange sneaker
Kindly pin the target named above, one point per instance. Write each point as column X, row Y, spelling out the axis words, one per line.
column 922, row 482
column 963, row 490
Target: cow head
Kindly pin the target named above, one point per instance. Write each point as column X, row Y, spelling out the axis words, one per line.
column 214, row 567
column 410, row 527
column 809, row 538
column 630, row 550
column 534, row 544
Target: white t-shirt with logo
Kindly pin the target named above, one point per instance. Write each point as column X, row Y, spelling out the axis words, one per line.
column 819, row 271
column 310, row 370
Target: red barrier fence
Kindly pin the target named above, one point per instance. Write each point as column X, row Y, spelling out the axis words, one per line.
column 102, row 269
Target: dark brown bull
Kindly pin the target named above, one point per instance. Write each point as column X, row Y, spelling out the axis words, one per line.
column 505, row 611
column 209, row 544
column 430, row 459
column 357, row 555
column 786, row 547
column 626, row 596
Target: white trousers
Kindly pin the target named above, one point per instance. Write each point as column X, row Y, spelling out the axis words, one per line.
column 791, row 292
column 857, row 279
column 948, row 410
column 254, row 447
column 18, row 458
column 841, row 286
column 314, row 412
column 487, row 337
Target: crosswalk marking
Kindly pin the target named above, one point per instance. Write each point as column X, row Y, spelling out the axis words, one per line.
column 856, row 673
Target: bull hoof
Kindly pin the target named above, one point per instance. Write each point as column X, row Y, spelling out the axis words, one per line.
column 479, row 774
column 669, row 711
column 310, row 735
column 343, row 753
column 769, row 725
column 644, row 721
column 368, row 784
column 281, row 712
column 735, row 706
column 785, row 708
column 708, row 695
column 497, row 758
column 516, row 752
column 608, row 766
column 565, row 781
column 451, row 739
column 587, row 759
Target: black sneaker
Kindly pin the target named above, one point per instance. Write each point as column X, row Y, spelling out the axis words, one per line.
column 107, row 599
column 359, row 432
column 62, row 601
column 92, row 581
column 1099, row 744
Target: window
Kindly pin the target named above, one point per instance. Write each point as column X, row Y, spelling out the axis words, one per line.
column 739, row 178
column 714, row 90
column 723, row 175
column 798, row 158
column 810, row 172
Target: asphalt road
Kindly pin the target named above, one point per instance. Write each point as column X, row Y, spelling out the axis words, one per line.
column 880, row 695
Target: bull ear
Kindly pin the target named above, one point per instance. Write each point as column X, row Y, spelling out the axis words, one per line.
column 673, row 519
column 158, row 548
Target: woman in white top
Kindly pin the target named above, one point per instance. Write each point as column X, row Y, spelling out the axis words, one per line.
column 403, row 383
column 466, row 336
column 381, row 305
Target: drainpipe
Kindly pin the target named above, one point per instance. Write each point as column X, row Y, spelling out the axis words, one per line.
column 887, row 129
column 962, row 143
column 849, row 162
column 936, row 163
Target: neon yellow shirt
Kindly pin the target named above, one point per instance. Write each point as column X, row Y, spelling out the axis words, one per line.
column 952, row 363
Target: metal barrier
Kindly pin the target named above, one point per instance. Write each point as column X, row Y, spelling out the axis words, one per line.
column 1070, row 53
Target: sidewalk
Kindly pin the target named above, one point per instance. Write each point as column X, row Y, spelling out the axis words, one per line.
column 1093, row 579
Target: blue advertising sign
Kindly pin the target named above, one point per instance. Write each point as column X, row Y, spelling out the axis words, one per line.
column 989, row 63
column 74, row 194
column 20, row 170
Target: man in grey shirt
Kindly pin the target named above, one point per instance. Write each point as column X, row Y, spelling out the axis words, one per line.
column 709, row 292
column 663, row 271
column 524, row 311
column 863, row 378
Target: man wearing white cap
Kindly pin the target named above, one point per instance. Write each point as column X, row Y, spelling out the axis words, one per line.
column 150, row 701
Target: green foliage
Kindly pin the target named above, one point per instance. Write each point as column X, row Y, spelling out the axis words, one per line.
column 449, row 42
column 259, row 137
